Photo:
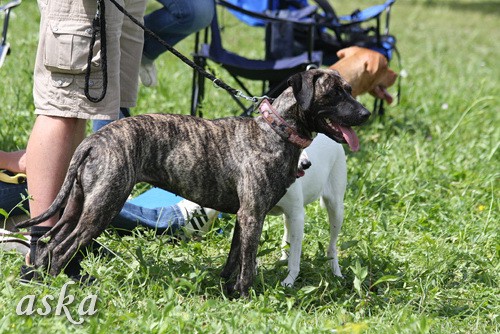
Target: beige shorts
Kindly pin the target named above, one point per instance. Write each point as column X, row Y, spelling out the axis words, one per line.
column 61, row 61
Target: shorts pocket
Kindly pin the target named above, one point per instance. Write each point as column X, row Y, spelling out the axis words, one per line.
column 61, row 80
column 67, row 47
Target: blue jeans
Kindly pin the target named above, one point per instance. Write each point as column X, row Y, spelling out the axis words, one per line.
column 99, row 123
column 174, row 22
column 160, row 219
column 11, row 196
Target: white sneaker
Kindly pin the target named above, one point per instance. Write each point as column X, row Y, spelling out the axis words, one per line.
column 198, row 219
column 147, row 73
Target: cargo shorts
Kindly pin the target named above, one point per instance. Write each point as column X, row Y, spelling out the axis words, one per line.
column 62, row 55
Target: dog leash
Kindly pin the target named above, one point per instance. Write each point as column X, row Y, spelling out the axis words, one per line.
column 99, row 27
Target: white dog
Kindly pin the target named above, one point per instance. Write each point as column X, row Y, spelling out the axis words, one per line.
column 325, row 179
column 368, row 72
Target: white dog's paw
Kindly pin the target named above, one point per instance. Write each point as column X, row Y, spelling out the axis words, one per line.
column 336, row 268
column 287, row 282
column 290, row 279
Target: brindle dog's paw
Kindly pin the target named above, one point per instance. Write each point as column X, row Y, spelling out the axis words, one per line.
column 234, row 289
column 42, row 257
column 231, row 290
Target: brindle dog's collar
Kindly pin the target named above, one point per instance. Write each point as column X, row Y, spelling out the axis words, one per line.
column 281, row 127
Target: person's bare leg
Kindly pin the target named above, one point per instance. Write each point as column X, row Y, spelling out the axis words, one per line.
column 50, row 148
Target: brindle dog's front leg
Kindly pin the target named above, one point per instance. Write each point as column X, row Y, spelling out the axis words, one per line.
column 251, row 229
column 242, row 257
column 232, row 263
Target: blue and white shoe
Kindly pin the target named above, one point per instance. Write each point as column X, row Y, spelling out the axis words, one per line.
column 199, row 220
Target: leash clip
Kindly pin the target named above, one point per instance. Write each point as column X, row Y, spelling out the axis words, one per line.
column 258, row 101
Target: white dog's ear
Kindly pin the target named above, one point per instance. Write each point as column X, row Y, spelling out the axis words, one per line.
column 304, row 163
column 304, row 160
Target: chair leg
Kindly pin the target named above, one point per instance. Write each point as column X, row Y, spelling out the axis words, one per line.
column 198, row 88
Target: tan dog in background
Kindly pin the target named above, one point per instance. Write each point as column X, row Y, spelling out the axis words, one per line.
column 367, row 71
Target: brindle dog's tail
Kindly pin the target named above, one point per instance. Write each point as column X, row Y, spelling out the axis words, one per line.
column 62, row 196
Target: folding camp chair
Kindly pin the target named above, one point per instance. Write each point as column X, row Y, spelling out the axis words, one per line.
column 367, row 28
column 297, row 36
column 272, row 71
column 4, row 46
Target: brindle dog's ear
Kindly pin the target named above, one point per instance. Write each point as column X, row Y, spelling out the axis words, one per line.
column 303, row 88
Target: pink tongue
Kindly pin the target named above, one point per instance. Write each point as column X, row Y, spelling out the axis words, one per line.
column 350, row 137
column 383, row 94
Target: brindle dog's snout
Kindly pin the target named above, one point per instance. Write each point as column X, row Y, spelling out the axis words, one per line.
column 364, row 114
column 353, row 112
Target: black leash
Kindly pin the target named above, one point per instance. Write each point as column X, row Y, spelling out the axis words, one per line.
column 98, row 28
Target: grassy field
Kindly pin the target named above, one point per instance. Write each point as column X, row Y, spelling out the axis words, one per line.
column 419, row 247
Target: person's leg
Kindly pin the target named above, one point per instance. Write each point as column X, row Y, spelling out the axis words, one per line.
column 47, row 159
column 172, row 23
column 186, row 214
column 61, row 105
column 131, row 44
column 99, row 123
column 175, row 21
column 50, row 147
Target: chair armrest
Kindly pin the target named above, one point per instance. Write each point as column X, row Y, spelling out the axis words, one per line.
column 301, row 17
column 360, row 16
column 10, row 5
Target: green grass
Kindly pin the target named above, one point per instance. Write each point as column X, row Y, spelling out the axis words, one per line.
column 419, row 247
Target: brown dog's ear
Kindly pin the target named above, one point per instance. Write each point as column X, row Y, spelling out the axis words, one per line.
column 367, row 65
column 303, row 88
column 341, row 53
column 348, row 52
column 376, row 61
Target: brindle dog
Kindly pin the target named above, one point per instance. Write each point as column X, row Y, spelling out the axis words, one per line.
column 237, row 165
